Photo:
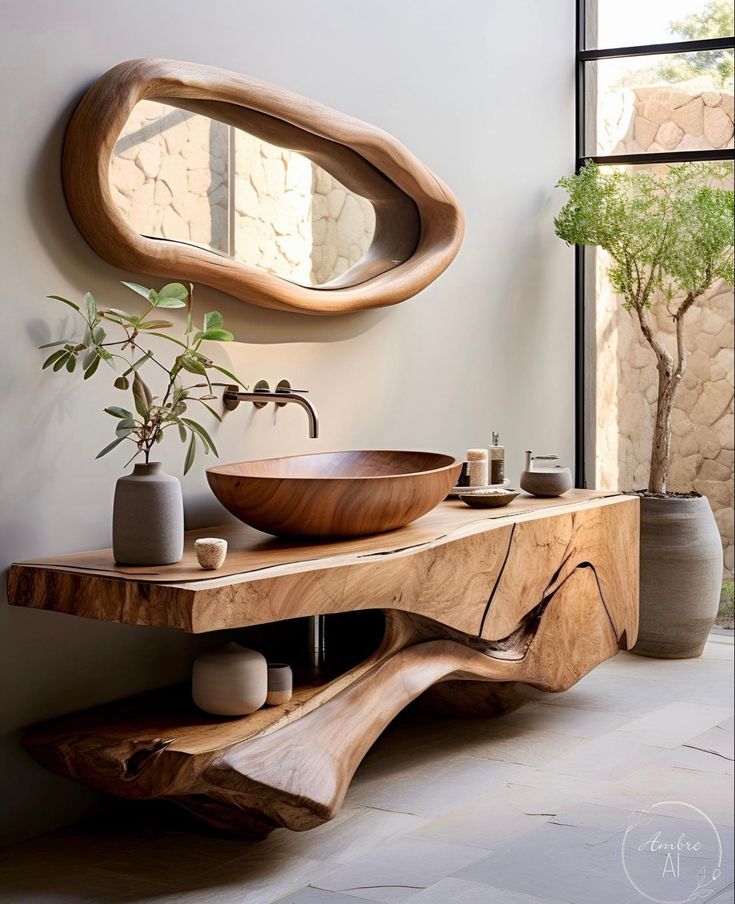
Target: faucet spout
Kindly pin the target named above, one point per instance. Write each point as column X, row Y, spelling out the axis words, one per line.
column 283, row 395
column 311, row 414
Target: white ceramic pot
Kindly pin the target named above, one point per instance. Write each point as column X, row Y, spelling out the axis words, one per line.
column 230, row 681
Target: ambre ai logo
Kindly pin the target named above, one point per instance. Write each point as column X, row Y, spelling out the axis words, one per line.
column 672, row 853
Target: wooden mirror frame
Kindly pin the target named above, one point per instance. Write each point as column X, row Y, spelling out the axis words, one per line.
column 416, row 214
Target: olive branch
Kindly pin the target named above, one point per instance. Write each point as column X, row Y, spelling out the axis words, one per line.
column 153, row 414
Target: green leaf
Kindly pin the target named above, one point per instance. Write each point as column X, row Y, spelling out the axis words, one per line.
column 190, row 453
column 71, row 363
column 89, row 357
column 142, row 396
column 229, row 374
column 182, row 431
column 109, row 448
column 159, row 436
column 154, row 324
column 91, row 307
column 119, row 316
column 58, row 342
column 54, row 357
column 206, row 438
column 213, row 320
column 64, row 301
column 214, row 335
column 116, row 411
column 92, row 367
column 136, row 364
column 60, row 362
column 122, row 383
column 209, row 408
column 170, row 338
column 124, row 429
column 172, row 295
column 193, row 367
column 141, row 290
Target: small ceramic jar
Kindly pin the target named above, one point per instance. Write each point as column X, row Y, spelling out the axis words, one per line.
column 230, row 681
column 280, row 683
column 210, row 552
column 545, row 482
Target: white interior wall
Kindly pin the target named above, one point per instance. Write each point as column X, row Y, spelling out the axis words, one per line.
column 481, row 91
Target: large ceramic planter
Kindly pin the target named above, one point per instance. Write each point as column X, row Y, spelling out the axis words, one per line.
column 148, row 518
column 681, row 576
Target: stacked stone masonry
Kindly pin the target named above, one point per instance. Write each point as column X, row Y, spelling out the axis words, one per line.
column 184, row 177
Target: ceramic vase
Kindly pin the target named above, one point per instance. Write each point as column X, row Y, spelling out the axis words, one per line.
column 280, row 683
column 681, row 576
column 148, row 518
column 230, row 681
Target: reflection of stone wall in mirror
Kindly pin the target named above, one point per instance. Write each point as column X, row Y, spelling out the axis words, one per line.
column 184, row 177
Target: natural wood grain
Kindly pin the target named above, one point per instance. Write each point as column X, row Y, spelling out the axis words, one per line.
column 334, row 494
column 405, row 191
column 295, row 769
column 267, row 580
column 575, row 606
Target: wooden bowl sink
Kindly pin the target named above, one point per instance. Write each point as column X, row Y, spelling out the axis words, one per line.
column 334, row 494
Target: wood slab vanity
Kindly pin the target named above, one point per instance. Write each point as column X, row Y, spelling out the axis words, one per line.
column 469, row 603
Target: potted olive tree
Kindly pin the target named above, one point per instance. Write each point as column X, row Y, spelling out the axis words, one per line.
column 669, row 237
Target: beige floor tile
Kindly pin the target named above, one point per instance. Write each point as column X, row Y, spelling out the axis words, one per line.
column 460, row 891
column 429, row 792
column 348, row 837
column 398, row 872
column 675, row 723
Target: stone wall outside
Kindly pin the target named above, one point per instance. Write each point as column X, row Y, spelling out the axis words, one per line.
column 170, row 176
column 654, row 119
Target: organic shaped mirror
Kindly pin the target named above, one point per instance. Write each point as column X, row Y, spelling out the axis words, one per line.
column 190, row 172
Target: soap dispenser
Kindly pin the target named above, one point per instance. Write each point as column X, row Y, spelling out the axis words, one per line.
column 545, row 481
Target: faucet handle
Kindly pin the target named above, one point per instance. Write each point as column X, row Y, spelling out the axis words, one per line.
column 285, row 387
column 546, row 458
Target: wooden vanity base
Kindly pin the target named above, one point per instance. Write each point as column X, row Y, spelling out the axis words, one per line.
column 546, row 597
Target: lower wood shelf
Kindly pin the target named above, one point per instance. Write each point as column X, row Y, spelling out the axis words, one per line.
column 474, row 616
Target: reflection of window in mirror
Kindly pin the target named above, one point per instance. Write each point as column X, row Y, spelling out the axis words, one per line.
column 184, row 177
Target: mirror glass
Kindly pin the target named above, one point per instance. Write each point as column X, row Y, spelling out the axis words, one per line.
column 182, row 176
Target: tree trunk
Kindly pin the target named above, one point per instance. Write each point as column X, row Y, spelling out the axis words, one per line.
column 668, row 384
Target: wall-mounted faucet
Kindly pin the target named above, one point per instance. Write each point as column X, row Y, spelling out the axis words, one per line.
column 261, row 395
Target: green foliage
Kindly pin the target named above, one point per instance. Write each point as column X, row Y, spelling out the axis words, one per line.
column 153, row 414
column 727, row 600
column 667, row 234
column 669, row 237
column 717, row 20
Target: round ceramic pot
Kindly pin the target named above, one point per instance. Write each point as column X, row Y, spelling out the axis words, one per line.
column 148, row 518
column 546, row 482
column 681, row 576
column 230, row 681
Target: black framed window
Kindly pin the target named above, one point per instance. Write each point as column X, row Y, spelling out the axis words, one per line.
column 653, row 86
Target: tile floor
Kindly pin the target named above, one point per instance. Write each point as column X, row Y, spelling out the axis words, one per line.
column 524, row 809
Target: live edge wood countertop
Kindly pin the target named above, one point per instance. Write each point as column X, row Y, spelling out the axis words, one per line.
column 265, row 579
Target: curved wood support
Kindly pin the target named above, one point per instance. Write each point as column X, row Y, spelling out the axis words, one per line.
column 540, row 610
